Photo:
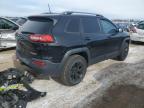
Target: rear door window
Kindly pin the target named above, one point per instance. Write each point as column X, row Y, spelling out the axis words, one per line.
column 37, row 26
column 90, row 25
column 73, row 25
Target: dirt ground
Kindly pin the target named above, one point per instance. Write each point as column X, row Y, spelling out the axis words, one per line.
column 122, row 86
column 6, row 59
column 122, row 96
column 109, row 82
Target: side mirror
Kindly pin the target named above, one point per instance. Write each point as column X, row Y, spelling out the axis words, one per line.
column 113, row 31
column 120, row 30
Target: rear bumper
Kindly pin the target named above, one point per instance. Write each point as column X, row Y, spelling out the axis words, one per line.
column 7, row 43
column 50, row 69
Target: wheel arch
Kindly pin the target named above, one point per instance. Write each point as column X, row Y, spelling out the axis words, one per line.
column 84, row 52
column 126, row 40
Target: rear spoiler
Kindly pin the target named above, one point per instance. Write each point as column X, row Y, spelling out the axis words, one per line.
column 43, row 19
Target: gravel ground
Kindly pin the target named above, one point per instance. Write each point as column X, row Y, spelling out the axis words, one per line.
column 100, row 78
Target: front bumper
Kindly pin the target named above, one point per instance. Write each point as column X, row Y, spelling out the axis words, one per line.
column 50, row 69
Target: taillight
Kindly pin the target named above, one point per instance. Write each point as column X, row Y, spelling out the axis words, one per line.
column 44, row 38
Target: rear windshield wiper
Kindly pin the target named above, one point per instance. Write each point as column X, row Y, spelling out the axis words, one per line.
column 25, row 32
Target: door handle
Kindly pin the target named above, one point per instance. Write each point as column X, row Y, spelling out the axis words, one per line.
column 87, row 38
column 111, row 36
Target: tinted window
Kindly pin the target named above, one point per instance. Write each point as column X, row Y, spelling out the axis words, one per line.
column 37, row 26
column 90, row 25
column 5, row 24
column 73, row 25
column 141, row 26
column 107, row 26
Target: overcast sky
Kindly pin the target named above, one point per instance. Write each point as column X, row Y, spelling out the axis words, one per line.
column 109, row 8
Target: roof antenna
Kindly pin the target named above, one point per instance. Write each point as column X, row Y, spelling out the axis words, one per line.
column 49, row 8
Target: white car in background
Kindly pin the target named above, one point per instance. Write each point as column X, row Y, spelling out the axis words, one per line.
column 137, row 32
column 8, row 29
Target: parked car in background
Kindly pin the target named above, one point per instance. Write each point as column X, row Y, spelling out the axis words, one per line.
column 21, row 21
column 137, row 32
column 124, row 26
column 64, row 45
column 13, row 19
column 7, row 33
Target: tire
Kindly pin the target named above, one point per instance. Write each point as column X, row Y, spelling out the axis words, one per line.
column 124, row 52
column 73, row 71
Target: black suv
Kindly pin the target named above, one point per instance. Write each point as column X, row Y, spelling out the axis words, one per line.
column 64, row 45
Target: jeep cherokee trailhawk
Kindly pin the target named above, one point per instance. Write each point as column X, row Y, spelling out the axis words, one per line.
column 64, row 45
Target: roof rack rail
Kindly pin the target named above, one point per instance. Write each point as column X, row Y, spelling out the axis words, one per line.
column 49, row 13
column 86, row 13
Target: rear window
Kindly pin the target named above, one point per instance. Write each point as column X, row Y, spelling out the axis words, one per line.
column 37, row 26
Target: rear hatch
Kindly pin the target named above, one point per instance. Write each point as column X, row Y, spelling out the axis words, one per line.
column 35, row 27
